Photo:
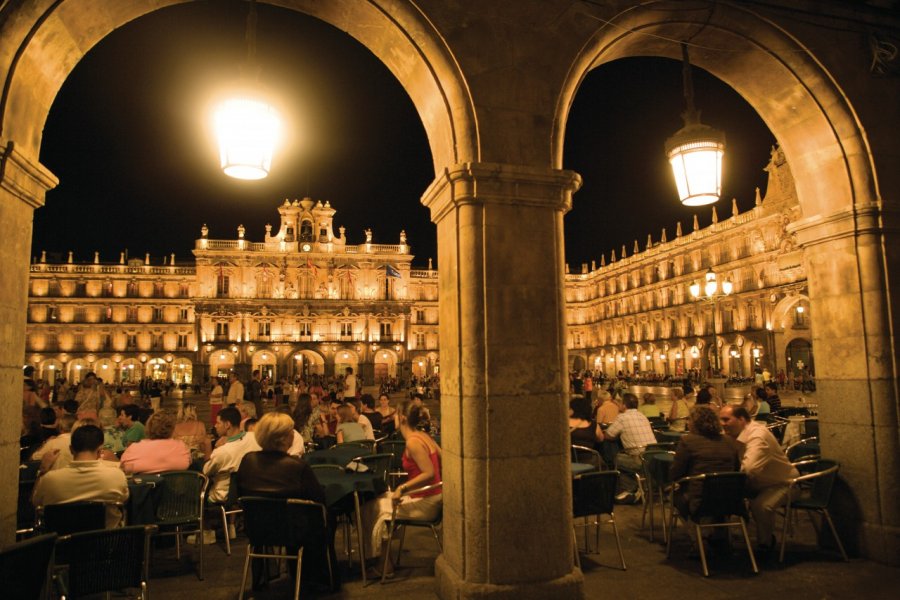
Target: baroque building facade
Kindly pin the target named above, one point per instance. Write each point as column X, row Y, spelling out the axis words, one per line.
column 635, row 314
column 303, row 301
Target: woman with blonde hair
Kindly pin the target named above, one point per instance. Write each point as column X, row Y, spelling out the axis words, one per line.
column 272, row 472
column 191, row 431
column 157, row 452
column 680, row 411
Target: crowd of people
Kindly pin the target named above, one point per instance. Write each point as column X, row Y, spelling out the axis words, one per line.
column 717, row 437
column 89, row 445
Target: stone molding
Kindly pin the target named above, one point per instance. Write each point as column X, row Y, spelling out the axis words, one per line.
column 495, row 183
column 860, row 219
column 26, row 180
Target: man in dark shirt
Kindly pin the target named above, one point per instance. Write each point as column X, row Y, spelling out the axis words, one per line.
column 274, row 473
column 772, row 396
column 254, row 390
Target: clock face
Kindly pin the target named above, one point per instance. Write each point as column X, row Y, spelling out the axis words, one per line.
column 307, row 247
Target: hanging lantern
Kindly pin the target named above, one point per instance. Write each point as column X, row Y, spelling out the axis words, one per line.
column 247, row 127
column 695, row 151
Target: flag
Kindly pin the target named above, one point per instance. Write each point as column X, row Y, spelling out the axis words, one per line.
column 391, row 271
column 311, row 267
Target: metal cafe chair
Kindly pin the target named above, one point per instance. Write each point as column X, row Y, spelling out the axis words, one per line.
column 282, row 523
column 395, row 448
column 105, row 560
column 594, row 494
column 179, row 509
column 813, row 491
column 25, row 567
column 583, row 454
column 226, row 509
column 721, row 500
column 396, row 523
column 803, row 450
column 379, row 464
column 72, row 517
column 364, row 444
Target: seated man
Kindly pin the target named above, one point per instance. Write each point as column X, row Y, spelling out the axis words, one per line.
column 634, row 431
column 60, row 443
column 86, row 477
column 129, row 421
column 226, row 458
column 768, row 470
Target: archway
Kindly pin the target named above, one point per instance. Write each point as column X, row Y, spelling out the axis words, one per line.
column 343, row 360
column 267, row 362
column 801, row 369
column 221, row 362
column 306, row 363
column 385, row 365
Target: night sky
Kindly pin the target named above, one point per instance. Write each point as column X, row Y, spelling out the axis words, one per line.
column 128, row 136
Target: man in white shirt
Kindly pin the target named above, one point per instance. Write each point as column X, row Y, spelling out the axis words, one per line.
column 226, row 458
column 350, row 384
column 634, row 431
column 86, row 477
column 768, row 469
column 60, row 443
column 362, row 419
column 235, row 390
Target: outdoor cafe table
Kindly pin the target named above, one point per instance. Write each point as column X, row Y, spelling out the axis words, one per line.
column 340, row 485
column 336, row 455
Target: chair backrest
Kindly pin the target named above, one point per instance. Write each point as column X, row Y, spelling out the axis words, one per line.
column 395, row 448
column 25, row 567
column 379, row 464
column 583, row 454
column 811, row 427
column 73, row 517
column 594, row 493
column 180, row 497
column 722, row 495
column 817, row 480
column 282, row 521
column 802, row 449
column 364, row 444
column 107, row 559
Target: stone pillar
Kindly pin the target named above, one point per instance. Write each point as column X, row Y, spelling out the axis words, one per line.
column 850, row 257
column 23, row 183
column 507, row 498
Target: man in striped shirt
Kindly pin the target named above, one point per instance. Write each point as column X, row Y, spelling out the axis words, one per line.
column 634, row 432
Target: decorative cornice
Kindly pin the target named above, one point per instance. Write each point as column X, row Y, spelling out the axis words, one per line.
column 26, row 180
column 494, row 183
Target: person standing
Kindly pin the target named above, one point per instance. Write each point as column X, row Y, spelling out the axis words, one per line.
column 216, row 399
column 772, row 396
column 350, row 384
column 256, row 392
column 235, row 391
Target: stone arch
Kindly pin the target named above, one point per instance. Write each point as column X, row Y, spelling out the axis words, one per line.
column 820, row 135
column 59, row 34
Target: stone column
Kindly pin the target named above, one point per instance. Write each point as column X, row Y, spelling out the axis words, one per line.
column 507, row 494
column 850, row 259
column 23, row 183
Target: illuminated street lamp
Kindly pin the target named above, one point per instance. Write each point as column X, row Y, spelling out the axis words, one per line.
column 247, row 127
column 695, row 151
column 712, row 292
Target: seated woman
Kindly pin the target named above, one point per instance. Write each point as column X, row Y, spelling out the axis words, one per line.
column 368, row 409
column 649, row 408
column 192, row 432
column 309, row 419
column 272, row 472
column 157, row 452
column 348, row 429
column 387, row 413
column 703, row 450
column 680, row 411
column 582, row 430
column 422, row 462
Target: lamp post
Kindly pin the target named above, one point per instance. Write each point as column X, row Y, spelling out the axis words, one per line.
column 712, row 291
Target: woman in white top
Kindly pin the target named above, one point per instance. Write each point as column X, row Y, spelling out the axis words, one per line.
column 216, row 395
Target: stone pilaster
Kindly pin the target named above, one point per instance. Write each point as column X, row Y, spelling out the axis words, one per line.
column 507, row 494
column 851, row 256
column 23, row 183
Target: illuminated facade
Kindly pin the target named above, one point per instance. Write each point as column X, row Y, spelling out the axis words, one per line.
column 301, row 301
column 636, row 314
